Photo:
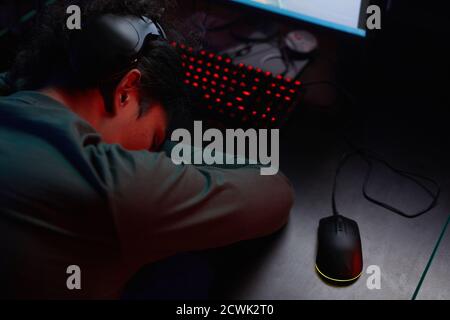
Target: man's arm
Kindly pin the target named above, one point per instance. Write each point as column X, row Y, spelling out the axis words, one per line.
column 162, row 208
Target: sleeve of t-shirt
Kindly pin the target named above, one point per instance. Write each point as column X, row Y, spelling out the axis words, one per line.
column 161, row 208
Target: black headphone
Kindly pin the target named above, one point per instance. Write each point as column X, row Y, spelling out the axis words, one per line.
column 109, row 45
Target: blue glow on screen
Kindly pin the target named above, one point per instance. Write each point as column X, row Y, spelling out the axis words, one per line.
column 304, row 17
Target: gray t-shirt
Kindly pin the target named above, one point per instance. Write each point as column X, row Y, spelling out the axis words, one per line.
column 67, row 198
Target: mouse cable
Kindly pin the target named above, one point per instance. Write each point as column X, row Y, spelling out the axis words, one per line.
column 370, row 157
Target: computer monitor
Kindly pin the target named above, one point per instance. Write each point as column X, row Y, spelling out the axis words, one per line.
column 344, row 15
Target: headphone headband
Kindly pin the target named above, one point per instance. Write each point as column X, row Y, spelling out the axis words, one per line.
column 110, row 44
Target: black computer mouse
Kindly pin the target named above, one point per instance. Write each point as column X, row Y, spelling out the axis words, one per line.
column 339, row 252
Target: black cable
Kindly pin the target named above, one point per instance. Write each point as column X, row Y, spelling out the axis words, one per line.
column 288, row 63
column 369, row 157
column 408, row 175
column 338, row 170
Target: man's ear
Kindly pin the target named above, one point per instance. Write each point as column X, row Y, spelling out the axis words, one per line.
column 127, row 89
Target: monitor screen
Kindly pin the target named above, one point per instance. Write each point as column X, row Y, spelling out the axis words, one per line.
column 344, row 15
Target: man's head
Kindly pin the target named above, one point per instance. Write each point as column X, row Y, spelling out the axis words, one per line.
column 132, row 109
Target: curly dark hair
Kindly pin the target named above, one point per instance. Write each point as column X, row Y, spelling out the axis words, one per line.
column 45, row 57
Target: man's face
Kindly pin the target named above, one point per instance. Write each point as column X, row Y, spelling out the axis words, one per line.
column 137, row 133
column 125, row 127
column 146, row 132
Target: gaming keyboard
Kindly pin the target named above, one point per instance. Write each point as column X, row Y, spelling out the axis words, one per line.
column 239, row 95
